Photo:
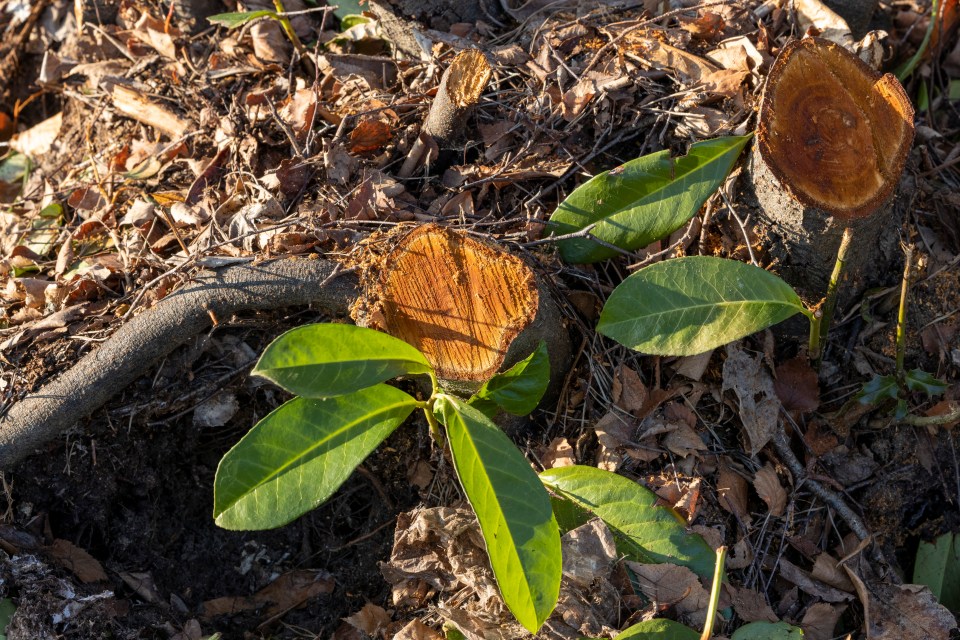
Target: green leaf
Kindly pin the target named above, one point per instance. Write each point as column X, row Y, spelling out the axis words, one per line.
column 643, row 200
column 518, row 389
column 352, row 20
column 235, row 20
column 920, row 380
column 324, row 360
column 767, row 631
column 658, row 629
column 45, row 230
column 878, row 389
column 296, row 457
column 517, row 523
column 7, row 609
column 938, row 566
column 14, row 167
column 687, row 306
column 643, row 532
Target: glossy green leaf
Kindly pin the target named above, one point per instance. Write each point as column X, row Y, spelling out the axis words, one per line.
column 938, row 566
column 517, row 522
column 878, row 389
column 352, row 20
column 767, row 631
column 643, row 200
column 296, row 457
column 324, row 360
column 7, row 609
column 517, row 390
column 687, row 306
column 920, row 380
column 658, row 629
column 643, row 532
column 238, row 19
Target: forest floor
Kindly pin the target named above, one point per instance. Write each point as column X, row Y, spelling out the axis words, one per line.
column 150, row 145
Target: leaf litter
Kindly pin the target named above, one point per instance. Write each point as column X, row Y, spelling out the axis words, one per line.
column 166, row 151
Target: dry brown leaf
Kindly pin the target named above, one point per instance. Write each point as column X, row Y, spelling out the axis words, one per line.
column 732, row 491
column 416, row 630
column 693, row 367
column 797, row 386
column 826, row 569
column 795, row 575
column 820, row 620
column 768, row 487
column 77, row 561
column 673, row 586
column 740, row 555
column 629, row 392
column 690, row 68
column 759, row 405
column 684, row 441
column 290, row 590
column 908, row 612
column 370, row 619
column 750, row 605
column 559, row 453
column 589, row 552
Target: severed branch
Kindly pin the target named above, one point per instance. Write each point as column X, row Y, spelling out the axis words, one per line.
column 460, row 88
column 149, row 337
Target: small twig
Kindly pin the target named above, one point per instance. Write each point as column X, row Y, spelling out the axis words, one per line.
column 833, row 286
column 782, row 446
column 952, row 415
column 902, row 312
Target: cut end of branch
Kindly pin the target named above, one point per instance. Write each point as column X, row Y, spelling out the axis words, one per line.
column 834, row 132
column 458, row 300
column 469, row 74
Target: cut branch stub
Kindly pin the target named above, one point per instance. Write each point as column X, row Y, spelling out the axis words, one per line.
column 833, row 131
column 460, row 301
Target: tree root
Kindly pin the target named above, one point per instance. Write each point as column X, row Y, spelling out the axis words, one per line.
column 150, row 336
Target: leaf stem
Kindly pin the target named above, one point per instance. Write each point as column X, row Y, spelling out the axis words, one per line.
column 813, row 346
column 904, row 72
column 714, row 594
column 952, row 415
column 288, row 27
column 830, row 303
column 902, row 313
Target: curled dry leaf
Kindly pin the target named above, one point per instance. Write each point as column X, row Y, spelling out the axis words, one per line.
column 369, row 136
column 820, row 620
column 371, row 619
column 768, row 487
column 629, row 392
column 674, row 586
column 908, row 612
column 759, row 404
column 559, row 453
column 732, row 490
column 750, row 605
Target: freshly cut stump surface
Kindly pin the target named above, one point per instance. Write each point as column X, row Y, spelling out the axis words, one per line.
column 460, row 301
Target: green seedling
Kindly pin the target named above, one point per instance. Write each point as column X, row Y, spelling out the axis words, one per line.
column 242, row 18
column 295, row 458
column 895, row 387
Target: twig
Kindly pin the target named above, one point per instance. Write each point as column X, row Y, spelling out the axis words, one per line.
column 952, row 415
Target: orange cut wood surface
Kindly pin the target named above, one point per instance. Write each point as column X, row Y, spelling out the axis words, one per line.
column 458, row 300
column 834, row 131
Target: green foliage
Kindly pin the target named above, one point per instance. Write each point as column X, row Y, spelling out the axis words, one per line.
column 922, row 382
column 522, row 536
column 883, row 389
column 15, row 166
column 658, row 629
column 690, row 305
column 351, row 20
column 240, row 18
column 517, row 390
column 324, row 360
column 643, row 200
column 296, row 457
column 767, row 631
column 7, row 609
column 643, row 532
column 938, row 566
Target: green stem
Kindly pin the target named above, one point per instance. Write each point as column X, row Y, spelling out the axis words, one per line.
column 904, row 72
column 902, row 313
column 714, row 594
column 830, row 303
column 288, row 28
column 813, row 346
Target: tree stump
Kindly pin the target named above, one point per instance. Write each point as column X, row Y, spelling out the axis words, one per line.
column 832, row 139
column 470, row 307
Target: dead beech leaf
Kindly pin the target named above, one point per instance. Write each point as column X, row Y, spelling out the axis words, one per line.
column 684, row 441
column 589, row 553
column 370, row 619
column 672, row 585
column 77, row 561
column 559, row 453
column 797, row 386
column 290, row 590
column 416, row 630
column 750, row 605
column 370, row 135
column 794, row 574
column 300, row 112
column 759, row 404
column 732, row 490
column 820, row 620
column 827, row 570
column 908, row 612
column 629, row 392
column 768, row 487
column 659, row 55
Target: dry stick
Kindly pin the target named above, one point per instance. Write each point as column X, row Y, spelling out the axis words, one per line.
column 460, row 88
column 152, row 335
column 782, row 445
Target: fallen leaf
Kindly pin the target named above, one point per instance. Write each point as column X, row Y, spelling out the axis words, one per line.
column 370, row 619
column 559, row 453
column 768, row 487
column 732, row 492
column 589, row 553
column 416, row 630
column 77, row 561
column 795, row 575
column 820, row 620
column 759, row 405
column 750, row 605
column 628, row 390
column 673, row 586
column 370, row 135
column 796, row 385
column 826, row 569
column 290, row 590
column 908, row 612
